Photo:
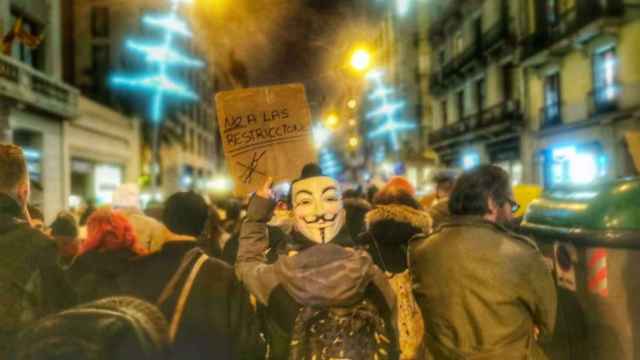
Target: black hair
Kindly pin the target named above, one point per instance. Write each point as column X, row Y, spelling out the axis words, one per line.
column 185, row 213
column 474, row 188
column 64, row 225
column 35, row 213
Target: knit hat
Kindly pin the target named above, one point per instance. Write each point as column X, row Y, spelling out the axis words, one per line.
column 186, row 213
column 111, row 231
column 397, row 191
column 127, row 196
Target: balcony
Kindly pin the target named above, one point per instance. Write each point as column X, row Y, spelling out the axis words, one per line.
column 569, row 23
column 36, row 90
column 498, row 36
column 551, row 115
column 505, row 113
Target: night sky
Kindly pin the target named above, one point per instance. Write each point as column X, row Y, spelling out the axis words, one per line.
column 285, row 41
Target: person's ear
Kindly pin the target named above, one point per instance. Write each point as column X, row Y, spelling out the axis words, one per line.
column 22, row 193
column 493, row 206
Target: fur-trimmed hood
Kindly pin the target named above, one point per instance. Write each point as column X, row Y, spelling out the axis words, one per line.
column 400, row 214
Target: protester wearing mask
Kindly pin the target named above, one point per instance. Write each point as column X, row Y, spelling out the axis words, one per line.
column 317, row 270
column 31, row 283
column 484, row 292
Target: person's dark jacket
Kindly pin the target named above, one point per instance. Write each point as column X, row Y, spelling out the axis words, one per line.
column 482, row 291
column 302, row 273
column 97, row 274
column 218, row 320
column 25, row 252
column 356, row 210
column 390, row 227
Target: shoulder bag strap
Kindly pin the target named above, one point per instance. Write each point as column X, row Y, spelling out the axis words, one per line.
column 173, row 282
column 184, row 295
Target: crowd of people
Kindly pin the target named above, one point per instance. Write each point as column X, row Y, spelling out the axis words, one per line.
column 319, row 274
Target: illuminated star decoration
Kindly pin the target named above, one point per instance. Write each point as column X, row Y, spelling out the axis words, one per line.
column 329, row 163
column 162, row 56
column 389, row 126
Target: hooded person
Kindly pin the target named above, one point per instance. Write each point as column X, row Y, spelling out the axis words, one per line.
column 320, row 296
column 150, row 232
column 394, row 220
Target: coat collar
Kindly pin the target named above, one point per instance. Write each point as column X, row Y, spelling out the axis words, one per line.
column 479, row 221
column 11, row 214
column 401, row 214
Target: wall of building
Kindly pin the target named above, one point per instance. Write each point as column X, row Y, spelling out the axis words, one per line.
column 102, row 136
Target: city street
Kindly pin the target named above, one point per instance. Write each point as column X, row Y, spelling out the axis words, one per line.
column 305, row 120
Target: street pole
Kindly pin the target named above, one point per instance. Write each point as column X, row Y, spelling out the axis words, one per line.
column 155, row 158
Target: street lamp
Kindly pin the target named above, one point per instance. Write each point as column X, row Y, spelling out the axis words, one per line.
column 354, row 142
column 332, row 121
column 360, row 59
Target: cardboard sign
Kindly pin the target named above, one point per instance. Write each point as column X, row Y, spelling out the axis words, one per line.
column 265, row 132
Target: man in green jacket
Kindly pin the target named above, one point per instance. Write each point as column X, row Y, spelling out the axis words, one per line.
column 484, row 292
column 31, row 283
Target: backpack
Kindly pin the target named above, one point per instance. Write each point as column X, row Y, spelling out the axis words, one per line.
column 356, row 332
column 112, row 328
column 20, row 305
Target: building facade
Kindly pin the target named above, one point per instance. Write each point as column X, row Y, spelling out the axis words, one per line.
column 474, row 85
column 581, row 69
column 189, row 153
column 36, row 103
column 102, row 151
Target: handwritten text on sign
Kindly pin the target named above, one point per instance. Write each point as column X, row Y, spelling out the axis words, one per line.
column 265, row 132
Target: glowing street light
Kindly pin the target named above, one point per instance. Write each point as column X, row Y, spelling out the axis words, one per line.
column 354, row 142
column 361, row 59
column 321, row 135
column 332, row 121
column 352, row 104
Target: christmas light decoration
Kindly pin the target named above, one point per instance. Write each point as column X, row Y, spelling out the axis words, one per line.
column 329, row 164
column 163, row 56
column 390, row 126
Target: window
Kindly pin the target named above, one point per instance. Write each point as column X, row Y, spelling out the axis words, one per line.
column 578, row 165
column 30, row 55
column 507, row 82
column 101, row 63
column 480, row 94
column 442, row 57
column 460, row 104
column 445, row 112
column 458, row 44
column 552, row 9
column 552, row 110
column 100, row 21
column 477, row 29
column 605, row 72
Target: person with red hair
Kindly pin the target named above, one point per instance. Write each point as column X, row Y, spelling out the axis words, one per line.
column 105, row 256
column 109, row 230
